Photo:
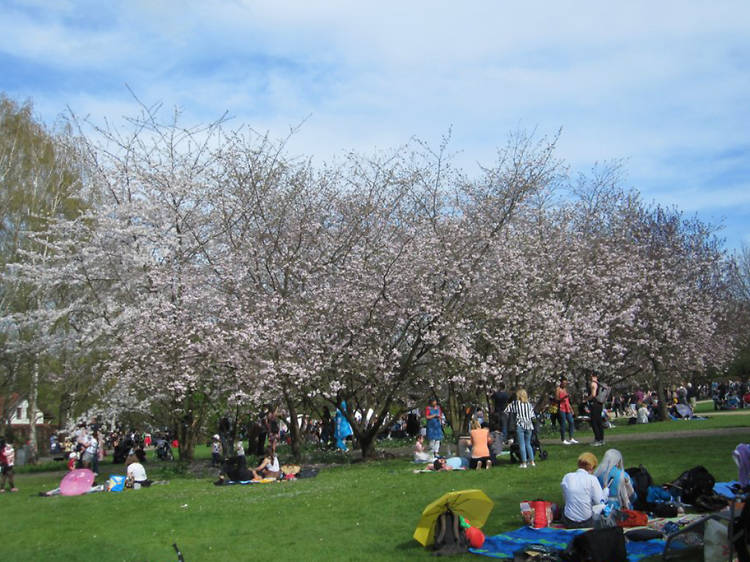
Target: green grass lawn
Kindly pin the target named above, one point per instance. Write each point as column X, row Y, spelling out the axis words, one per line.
column 360, row 511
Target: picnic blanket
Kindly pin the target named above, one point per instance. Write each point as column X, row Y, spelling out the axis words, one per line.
column 246, row 482
column 505, row 544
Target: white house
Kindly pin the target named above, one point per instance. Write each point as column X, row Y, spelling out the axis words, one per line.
column 17, row 412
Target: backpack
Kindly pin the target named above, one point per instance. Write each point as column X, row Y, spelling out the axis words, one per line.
column 641, row 480
column 450, row 537
column 663, row 509
column 693, row 483
column 602, row 392
column 597, row 545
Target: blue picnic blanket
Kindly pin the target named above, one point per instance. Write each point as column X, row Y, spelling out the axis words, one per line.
column 505, row 544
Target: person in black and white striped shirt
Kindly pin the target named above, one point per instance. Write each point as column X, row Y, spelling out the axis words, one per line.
column 524, row 426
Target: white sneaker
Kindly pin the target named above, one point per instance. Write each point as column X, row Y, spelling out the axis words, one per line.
column 573, row 441
column 533, row 463
column 566, row 442
column 522, row 465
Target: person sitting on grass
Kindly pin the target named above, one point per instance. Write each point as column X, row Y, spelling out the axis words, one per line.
column 269, row 466
column 480, row 445
column 420, row 455
column 612, row 476
column 136, row 473
column 582, row 494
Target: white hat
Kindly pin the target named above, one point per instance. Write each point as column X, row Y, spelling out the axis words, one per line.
column 216, row 436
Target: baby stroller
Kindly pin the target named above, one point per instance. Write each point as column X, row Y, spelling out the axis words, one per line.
column 536, row 445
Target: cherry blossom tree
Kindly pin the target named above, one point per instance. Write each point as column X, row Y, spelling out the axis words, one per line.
column 214, row 269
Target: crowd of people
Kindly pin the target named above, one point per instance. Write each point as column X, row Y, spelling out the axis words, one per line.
column 510, row 421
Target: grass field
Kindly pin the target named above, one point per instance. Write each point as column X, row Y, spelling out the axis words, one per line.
column 359, row 511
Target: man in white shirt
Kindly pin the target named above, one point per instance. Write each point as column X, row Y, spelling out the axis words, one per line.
column 582, row 493
column 136, row 473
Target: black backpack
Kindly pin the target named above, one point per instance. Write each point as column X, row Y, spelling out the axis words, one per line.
column 597, row 545
column 641, row 480
column 450, row 537
column 694, row 483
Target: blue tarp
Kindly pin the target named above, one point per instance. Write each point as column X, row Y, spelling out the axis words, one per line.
column 505, row 544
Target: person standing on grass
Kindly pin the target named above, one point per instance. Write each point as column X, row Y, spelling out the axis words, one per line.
column 342, row 428
column 524, row 426
column 434, row 415
column 501, row 398
column 7, row 461
column 565, row 411
column 216, row 450
column 595, row 411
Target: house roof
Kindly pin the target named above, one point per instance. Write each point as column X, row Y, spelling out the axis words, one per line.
column 7, row 403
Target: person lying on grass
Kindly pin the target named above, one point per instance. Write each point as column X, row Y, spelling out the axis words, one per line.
column 439, row 464
column 582, row 494
column 234, row 469
column 269, row 466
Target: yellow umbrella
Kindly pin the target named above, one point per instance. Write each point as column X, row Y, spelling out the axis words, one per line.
column 474, row 505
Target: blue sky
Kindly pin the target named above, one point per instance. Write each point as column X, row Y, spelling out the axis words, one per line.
column 665, row 86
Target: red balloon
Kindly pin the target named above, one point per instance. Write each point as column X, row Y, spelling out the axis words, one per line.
column 475, row 536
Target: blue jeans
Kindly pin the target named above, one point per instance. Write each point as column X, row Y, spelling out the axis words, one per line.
column 524, row 444
column 566, row 416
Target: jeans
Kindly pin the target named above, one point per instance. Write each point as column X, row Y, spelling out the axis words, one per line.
column 566, row 417
column 503, row 422
column 524, row 444
column 597, row 424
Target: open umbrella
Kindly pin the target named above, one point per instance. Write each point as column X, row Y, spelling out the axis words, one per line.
column 474, row 505
column 77, row 482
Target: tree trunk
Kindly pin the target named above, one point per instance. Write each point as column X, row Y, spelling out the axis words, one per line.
column 367, row 443
column 661, row 393
column 453, row 412
column 34, row 452
column 186, row 437
column 294, row 428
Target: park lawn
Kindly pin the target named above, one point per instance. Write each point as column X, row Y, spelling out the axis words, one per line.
column 353, row 512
